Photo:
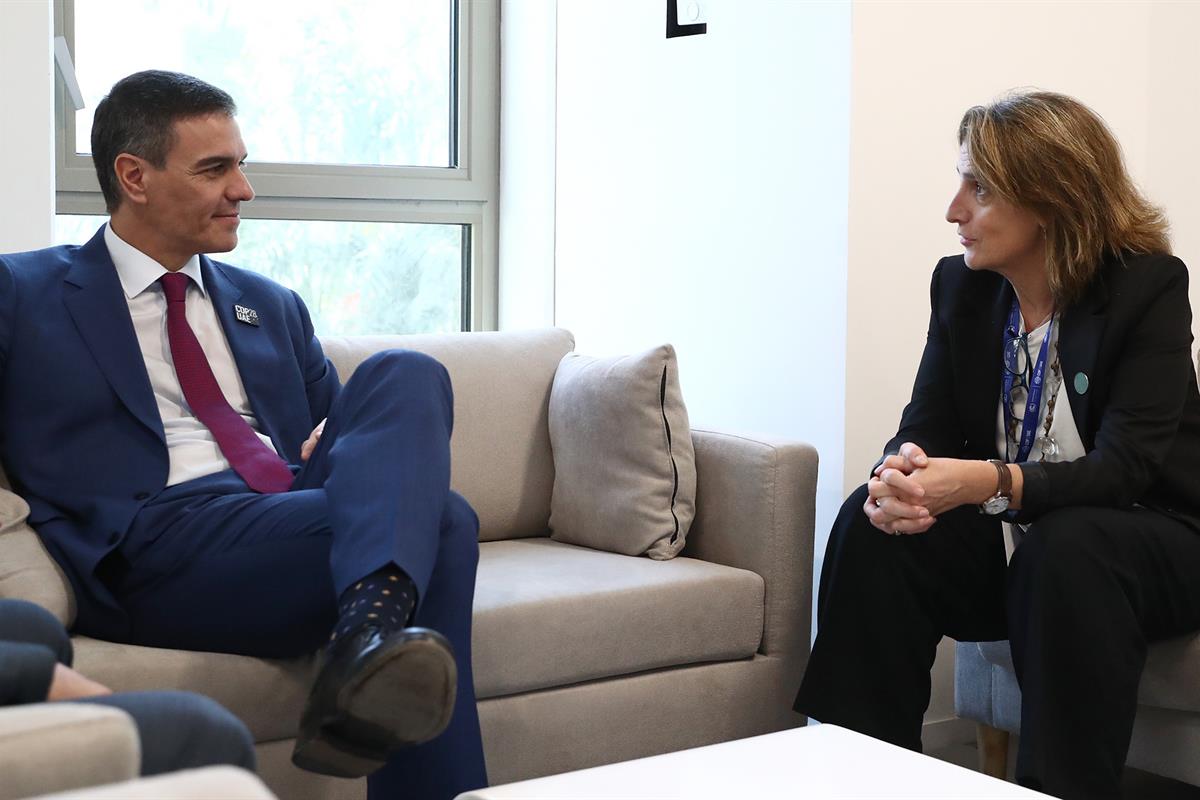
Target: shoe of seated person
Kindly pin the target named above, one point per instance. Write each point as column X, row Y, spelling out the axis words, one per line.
column 376, row 692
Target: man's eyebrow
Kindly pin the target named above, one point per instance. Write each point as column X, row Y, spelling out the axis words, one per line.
column 212, row 161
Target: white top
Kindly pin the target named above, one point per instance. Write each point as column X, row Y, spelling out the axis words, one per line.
column 1063, row 442
column 818, row 761
column 192, row 450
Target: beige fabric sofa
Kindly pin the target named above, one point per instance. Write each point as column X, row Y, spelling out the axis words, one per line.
column 72, row 748
column 210, row 783
column 581, row 657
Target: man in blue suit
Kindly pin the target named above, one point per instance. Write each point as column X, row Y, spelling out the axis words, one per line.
column 192, row 461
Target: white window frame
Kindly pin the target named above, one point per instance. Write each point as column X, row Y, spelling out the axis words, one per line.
column 464, row 194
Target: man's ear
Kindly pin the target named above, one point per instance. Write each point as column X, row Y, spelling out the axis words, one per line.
column 132, row 177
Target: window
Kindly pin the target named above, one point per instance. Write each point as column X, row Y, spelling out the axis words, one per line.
column 372, row 133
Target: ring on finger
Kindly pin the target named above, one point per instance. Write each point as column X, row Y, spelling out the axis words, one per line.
column 879, row 502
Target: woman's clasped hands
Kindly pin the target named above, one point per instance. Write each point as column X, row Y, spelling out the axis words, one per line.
column 909, row 490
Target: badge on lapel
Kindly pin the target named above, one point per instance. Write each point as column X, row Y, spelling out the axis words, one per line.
column 1081, row 383
column 246, row 315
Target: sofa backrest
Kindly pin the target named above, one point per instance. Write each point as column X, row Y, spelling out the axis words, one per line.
column 501, row 460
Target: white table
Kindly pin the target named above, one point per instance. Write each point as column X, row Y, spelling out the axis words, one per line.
column 821, row 761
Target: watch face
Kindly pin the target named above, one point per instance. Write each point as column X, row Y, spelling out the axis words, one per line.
column 995, row 505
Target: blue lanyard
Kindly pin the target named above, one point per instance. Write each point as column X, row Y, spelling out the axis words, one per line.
column 1033, row 405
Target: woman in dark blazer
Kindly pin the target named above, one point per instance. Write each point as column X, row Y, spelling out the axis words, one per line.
column 1044, row 484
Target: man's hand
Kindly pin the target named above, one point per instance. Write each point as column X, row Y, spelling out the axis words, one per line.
column 310, row 443
column 67, row 684
column 896, row 502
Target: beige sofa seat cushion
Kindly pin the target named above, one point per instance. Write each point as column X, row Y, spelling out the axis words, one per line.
column 1171, row 678
column 227, row 783
column 550, row 614
column 546, row 615
column 51, row 747
column 267, row 695
column 27, row 570
column 500, row 452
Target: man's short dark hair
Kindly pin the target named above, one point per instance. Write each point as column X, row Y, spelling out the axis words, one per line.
column 138, row 117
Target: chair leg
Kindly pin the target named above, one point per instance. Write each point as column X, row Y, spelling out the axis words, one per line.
column 993, row 750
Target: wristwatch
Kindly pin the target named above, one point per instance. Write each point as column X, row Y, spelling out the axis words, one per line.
column 998, row 503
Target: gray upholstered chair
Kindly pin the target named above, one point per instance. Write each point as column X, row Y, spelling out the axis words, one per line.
column 1166, row 732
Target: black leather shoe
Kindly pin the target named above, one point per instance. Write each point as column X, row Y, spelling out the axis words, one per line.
column 376, row 693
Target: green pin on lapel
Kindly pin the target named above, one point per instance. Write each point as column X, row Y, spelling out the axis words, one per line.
column 1081, row 383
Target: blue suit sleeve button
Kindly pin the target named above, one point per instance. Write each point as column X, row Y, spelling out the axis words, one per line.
column 141, row 496
column 114, row 537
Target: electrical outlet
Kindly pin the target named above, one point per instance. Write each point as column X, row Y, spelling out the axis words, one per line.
column 691, row 12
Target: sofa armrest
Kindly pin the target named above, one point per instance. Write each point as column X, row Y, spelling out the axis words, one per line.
column 51, row 747
column 755, row 509
column 227, row 783
column 27, row 570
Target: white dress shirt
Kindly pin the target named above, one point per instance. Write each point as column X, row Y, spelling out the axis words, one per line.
column 192, row 450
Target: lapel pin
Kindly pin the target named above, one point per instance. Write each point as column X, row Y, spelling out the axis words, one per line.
column 1081, row 383
column 250, row 317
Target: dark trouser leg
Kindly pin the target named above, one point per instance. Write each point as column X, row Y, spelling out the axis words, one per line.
column 180, row 730
column 32, row 642
column 884, row 604
column 1088, row 588
column 453, row 762
column 384, row 465
column 29, row 623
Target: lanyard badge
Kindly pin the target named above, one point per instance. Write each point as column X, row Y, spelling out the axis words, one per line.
column 1036, row 380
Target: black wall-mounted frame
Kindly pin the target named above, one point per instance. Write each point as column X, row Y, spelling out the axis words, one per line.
column 675, row 29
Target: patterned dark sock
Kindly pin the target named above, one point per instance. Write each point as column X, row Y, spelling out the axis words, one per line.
column 386, row 597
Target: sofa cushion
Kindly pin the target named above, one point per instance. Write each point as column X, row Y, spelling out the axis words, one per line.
column 27, row 571
column 268, row 695
column 500, row 451
column 1171, row 678
column 551, row 614
column 546, row 615
column 624, row 467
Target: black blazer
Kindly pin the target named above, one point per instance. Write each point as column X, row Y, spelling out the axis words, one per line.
column 1139, row 417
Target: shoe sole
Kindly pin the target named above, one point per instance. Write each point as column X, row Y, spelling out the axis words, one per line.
column 327, row 754
column 404, row 697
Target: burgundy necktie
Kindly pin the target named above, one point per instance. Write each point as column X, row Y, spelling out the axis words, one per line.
column 259, row 466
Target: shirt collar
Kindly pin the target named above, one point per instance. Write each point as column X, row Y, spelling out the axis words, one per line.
column 138, row 271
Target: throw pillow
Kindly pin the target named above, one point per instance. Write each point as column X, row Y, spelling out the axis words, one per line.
column 624, row 467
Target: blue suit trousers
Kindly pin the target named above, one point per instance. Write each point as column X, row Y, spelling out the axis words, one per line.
column 210, row 565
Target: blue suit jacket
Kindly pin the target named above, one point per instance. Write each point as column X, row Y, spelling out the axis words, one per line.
column 80, row 434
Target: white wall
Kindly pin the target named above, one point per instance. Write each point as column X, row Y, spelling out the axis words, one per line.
column 1173, row 88
column 27, row 135
column 917, row 67
column 527, row 142
column 701, row 200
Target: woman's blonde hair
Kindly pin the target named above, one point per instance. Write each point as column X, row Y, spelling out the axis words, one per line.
column 1053, row 155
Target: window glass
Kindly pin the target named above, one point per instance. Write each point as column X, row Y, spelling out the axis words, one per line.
column 355, row 277
column 363, row 82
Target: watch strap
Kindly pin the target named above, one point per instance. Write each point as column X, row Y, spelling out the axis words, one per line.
column 1004, row 486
